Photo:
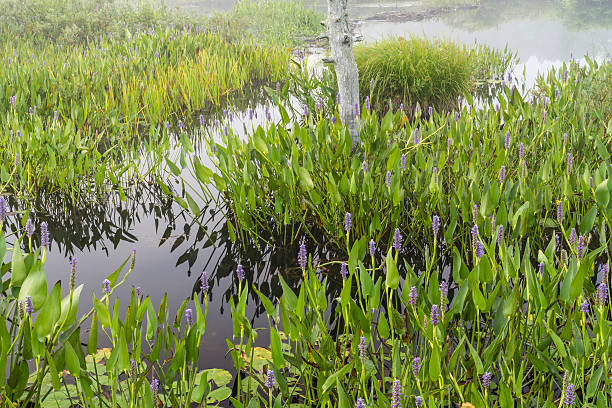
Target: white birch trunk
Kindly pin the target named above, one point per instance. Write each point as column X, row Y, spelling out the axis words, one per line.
column 341, row 44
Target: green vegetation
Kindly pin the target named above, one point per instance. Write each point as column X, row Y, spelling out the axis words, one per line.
column 76, row 21
column 72, row 114
column 273, row 21
column 514, row 198
column 426, row 72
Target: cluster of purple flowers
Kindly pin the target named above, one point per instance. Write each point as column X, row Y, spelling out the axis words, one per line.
column 189, row 317
column 106, row 286
column 434, row 315
column 412, row 296
column 343, row 270
column 240, row 272
column 372, row 248
column 44, row 236
column 270, row 380
column 347, row 222
column 302, row 257
column 396, row 394
column 416, row 366
column 435, row 224
column 204, row 285
column 397, row 240
column 362, row 348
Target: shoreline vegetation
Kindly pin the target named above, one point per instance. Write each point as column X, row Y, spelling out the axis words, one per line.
column 505, row 192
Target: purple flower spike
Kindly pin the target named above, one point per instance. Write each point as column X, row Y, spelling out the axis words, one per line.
column 270, row 381
column 500, row 234
column 16, row 160
column 434, row 315
column 502, row 174
column 138, row 291
column 457, row 116
column 268, row 114
column 44, row 235
column 430, row 111
column 278, row 87
column 240, row 272
column 372, row 248
column 570, row 160
column 29, row 308
column 486, row 380
column 479, row 249
column 401, row 108
column 560, row 212
column 29, row 228
column 578, row 77
column 347, row 222
column 541, row 268
column 397, row 240
column 372, row 83
column 435, row 224
column 474, row 236
column 443, row 294
column 201, row 120
column 521, row 151
column 106, row 286
column 418, row 401
column 449, row 142
column 338, row 98
column 319, row 104
column 416, row 136
column 364, row 166
column 507, row 141
column 570, row 395
column 333, row 120
column 302, row 257
column 343, row 270
column 412, row 296
column 581, row 247
column 204, row 285
column 602, row 294
column 367, row 103
column 305, row 110
column 362, row 348
column 396, row 394
column 403, row 162
column 189, row 317
column 360, row 403
column 388, row 179
column 180, row 124
column 572, row 237
column 585, row 307
column 416, row 366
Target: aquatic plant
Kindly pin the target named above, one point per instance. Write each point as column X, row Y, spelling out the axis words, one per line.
column 306, row 177
column 428, row 73
column 103, row 106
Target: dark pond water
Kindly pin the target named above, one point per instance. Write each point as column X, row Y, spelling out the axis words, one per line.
column 172, row 250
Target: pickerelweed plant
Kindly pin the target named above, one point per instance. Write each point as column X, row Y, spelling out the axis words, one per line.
column 504, row 168
column 72, row 116
column 152, row 359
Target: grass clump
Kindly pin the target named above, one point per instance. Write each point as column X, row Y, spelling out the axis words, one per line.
column 426, row 72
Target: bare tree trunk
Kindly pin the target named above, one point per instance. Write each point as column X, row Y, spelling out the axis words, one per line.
column 341, row 44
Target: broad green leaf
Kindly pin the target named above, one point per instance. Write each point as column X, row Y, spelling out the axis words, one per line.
column 49, row 314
